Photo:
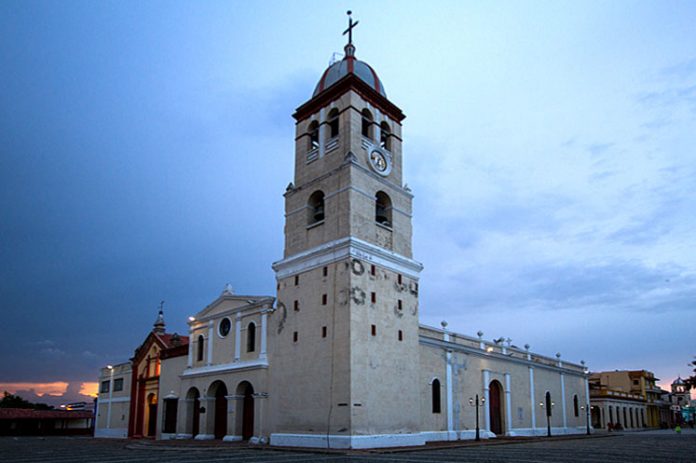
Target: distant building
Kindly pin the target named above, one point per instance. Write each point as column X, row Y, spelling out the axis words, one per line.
column 29, row 422
column 636, row 383
column 613, row 408
column 680, row 402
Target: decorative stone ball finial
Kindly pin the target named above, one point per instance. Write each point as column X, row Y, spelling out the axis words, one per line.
column 444, row 324
column 558, row 355
column 480, row 334
column 159, row 326
column 527, row 346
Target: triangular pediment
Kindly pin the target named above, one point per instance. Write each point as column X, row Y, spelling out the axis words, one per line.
column 151, row 339
column 227, row 303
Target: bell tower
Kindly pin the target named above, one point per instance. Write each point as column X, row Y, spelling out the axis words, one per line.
column 345, row 340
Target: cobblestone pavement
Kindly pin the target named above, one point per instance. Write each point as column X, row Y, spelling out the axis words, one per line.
column 649, row 447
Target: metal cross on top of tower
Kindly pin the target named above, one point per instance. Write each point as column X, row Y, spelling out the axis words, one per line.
column 351, row 25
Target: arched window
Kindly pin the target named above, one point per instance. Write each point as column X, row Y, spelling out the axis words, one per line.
column 436, row 396
column 367, row 124
column 383, row 209
column 313, row 135
column 385, row 136
column 333, row 123
column 201, row 342
column 315, row 205
column 251, row 337
column 575, row 405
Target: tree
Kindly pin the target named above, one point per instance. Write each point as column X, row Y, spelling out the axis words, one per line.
column 14, row 401
column 691, row 380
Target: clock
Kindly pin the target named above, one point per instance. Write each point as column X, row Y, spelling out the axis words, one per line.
column 380, row 162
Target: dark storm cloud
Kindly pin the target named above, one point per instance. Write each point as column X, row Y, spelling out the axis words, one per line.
column 116, row 193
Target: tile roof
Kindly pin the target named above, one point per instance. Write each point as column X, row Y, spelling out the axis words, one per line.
column 30, row 414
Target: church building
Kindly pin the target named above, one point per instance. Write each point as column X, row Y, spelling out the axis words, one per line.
column 338, row 359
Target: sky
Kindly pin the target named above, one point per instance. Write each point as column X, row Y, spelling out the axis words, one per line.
column 145, row 148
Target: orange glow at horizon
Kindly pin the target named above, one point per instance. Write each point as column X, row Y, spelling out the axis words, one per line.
column 54, row 389
column 89, row 389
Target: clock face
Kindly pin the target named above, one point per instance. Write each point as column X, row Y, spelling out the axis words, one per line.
column 380, row 162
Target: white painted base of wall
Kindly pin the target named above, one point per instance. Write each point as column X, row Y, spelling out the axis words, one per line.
column 168, row 436
column 470, row 434
column 256, row 440
column 204, row 437
column 111, row 433
column 543, row 431
column 184, row 436
column 229, row 438
column 347, row 442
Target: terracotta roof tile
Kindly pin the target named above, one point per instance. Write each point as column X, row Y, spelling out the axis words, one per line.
column 29, row 414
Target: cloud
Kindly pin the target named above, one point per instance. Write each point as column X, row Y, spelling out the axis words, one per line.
column 599, row 148
column 54, row 393
column 52, row 352
column 670, row 97
column 682, row 70
column 89, row 389
column 56, row 388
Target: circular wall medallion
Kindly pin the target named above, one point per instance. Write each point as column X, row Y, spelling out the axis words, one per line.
column 224, row 328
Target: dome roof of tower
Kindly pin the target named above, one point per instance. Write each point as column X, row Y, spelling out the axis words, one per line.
column 678, row 381
column 349, row 65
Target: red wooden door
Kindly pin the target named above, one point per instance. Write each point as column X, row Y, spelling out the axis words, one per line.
column 196, row 416
column 220, row 414
column 495, row 408
column 248, row 415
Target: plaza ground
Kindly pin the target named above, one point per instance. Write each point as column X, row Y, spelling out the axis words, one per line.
column 647, row 446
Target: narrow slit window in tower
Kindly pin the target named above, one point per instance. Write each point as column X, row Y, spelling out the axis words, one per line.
column 333, row 123
column 367, row 124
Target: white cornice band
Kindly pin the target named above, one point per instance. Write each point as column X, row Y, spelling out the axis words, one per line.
column 451, row 346
column 225, row 367
column 341, row 249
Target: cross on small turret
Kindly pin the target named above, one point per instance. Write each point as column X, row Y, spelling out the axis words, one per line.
column 351, row 25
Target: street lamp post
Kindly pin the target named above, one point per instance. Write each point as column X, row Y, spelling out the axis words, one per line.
column 548, row 406
column 111, row 391
column 587, row 417
column 476, row 403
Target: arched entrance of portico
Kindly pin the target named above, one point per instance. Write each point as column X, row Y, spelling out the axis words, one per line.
column 245, row 409
column 495, row 407
column 218, row 391
column 193, row 403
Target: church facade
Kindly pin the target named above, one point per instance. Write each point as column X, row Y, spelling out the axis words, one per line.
column 338, row 359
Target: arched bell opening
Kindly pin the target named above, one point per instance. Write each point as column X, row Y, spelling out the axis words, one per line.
column 315, row 207
column 383, row 209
